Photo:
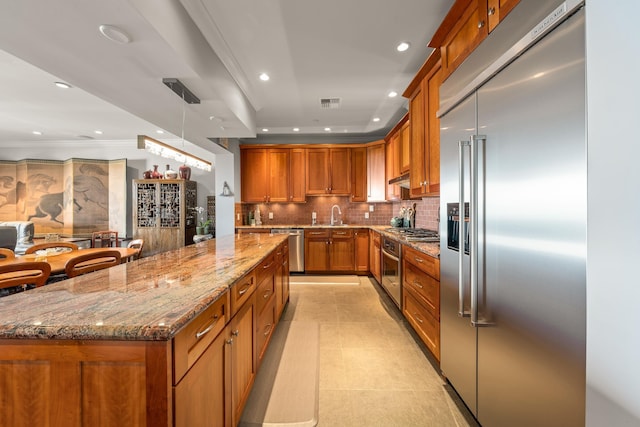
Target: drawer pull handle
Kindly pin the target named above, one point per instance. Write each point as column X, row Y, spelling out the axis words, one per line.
column 244, row 290
column 416, row 283
column 208, row 329
column 269, row 326
column 418, row 260
column 266, row 295
column 264, row 267
column 418, row 318
column 341, row 233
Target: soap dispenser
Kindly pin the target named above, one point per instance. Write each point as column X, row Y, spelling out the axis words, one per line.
column 313, row 218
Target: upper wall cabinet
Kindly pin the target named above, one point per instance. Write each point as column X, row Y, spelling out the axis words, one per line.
column 328, row 171
column 376, row 183
column 265, row 175
column 465, row 26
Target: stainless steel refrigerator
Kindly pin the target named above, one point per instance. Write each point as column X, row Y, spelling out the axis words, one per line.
column 513, row 254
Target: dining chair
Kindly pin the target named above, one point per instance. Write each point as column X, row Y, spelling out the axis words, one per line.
column 20, row 274
column 6, row 254
column 136, row 244
column 104, row 239
column 88, row 262
column 50, row 245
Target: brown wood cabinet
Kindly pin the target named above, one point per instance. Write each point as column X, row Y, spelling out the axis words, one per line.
column 404, row 151
column 330, row 250
column 361, row 239
column 423, row 93
column 421, row 296
column 374, row 255
column 466, row 25
column 376, row 177
column 394, row 191
column 282, row 277
column 163, row 213
column 359, row 174
column 297, row 178
column 265, row 175
column 328, row 171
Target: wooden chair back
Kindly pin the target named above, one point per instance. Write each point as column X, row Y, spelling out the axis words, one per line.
column 88, row 262
column 24, row 273
column 50, row 245
column 6, row 254
column 104, row 239
column 136, row 244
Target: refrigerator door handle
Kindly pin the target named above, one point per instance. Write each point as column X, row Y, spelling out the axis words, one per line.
column 461, row 217
column 476, row 142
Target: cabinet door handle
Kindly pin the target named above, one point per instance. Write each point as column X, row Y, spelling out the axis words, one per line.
column 204, row 332
column 229, row 341
column 269, row 326
column 244, row 290
column 417, row 317
column 266, row 295
column 480, row 24
column 264, row 267
column 416, row 283
column 235, row 333
column 491, row 11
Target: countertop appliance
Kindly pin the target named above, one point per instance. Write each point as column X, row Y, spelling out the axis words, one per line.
column 513, row 302
column 296, row 247
column 391, row 278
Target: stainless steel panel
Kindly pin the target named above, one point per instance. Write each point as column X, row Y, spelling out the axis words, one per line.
column 296, row 247
column 531, row 361
column 457, row 337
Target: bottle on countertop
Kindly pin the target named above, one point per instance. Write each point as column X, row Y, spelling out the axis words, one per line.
column 258, row 220
column 314, row 218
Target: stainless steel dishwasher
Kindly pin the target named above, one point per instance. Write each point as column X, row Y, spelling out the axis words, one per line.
column 296, row 247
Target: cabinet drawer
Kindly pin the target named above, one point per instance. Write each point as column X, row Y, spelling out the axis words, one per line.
column 426, row 263
column 423, row 323
column 195, row 337
column 265, row 292
column 342, row 234
column 424, row 287
column 265, row 268
column 241, row 291
column 265, row 327
column 323, row 232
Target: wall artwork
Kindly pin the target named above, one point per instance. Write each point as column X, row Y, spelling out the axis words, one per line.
column 72, row 197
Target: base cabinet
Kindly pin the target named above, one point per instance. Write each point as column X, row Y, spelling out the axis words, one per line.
column 330, row 250
column 374, row 255
column 421, row 296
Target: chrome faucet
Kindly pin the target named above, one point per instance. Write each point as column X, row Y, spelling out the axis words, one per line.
column 333, row 221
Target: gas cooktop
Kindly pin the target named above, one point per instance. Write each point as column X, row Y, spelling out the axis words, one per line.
column 415, row 234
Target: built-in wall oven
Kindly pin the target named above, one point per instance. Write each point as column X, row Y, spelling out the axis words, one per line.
column 391, row 277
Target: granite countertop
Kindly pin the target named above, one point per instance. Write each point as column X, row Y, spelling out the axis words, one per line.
column 428, row 248
column 144, row 300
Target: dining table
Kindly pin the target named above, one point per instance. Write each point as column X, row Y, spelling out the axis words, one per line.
column 58, row 259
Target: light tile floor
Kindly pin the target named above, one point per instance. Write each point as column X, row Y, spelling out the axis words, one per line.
column 373, row 371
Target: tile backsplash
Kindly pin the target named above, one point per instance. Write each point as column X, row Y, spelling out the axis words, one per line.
column 352, row 213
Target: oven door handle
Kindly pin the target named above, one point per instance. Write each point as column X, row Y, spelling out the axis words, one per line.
column 387, row 254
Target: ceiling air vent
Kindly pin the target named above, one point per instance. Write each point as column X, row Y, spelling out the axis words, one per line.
column 329, row 103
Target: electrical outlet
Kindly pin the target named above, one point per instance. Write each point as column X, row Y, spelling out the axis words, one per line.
column 371, row 208
column 270, row 215
column 366, row 215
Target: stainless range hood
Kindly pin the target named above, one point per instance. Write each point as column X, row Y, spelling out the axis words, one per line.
column 402, row 181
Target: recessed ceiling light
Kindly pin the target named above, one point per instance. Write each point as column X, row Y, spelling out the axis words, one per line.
column 296, row 129
column 265, row 130
column 97, row 132
column 36, row 132
column 393, row 94
column 114, row 34
column 327, row 129
column 160, row 131
column 376, row 119
column 63, row 85
column 264, row 77
column 403, row 46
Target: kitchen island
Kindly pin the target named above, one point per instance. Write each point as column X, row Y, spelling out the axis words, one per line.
column 118, row 346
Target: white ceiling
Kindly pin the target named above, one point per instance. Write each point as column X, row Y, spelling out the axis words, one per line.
column 311, row 49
